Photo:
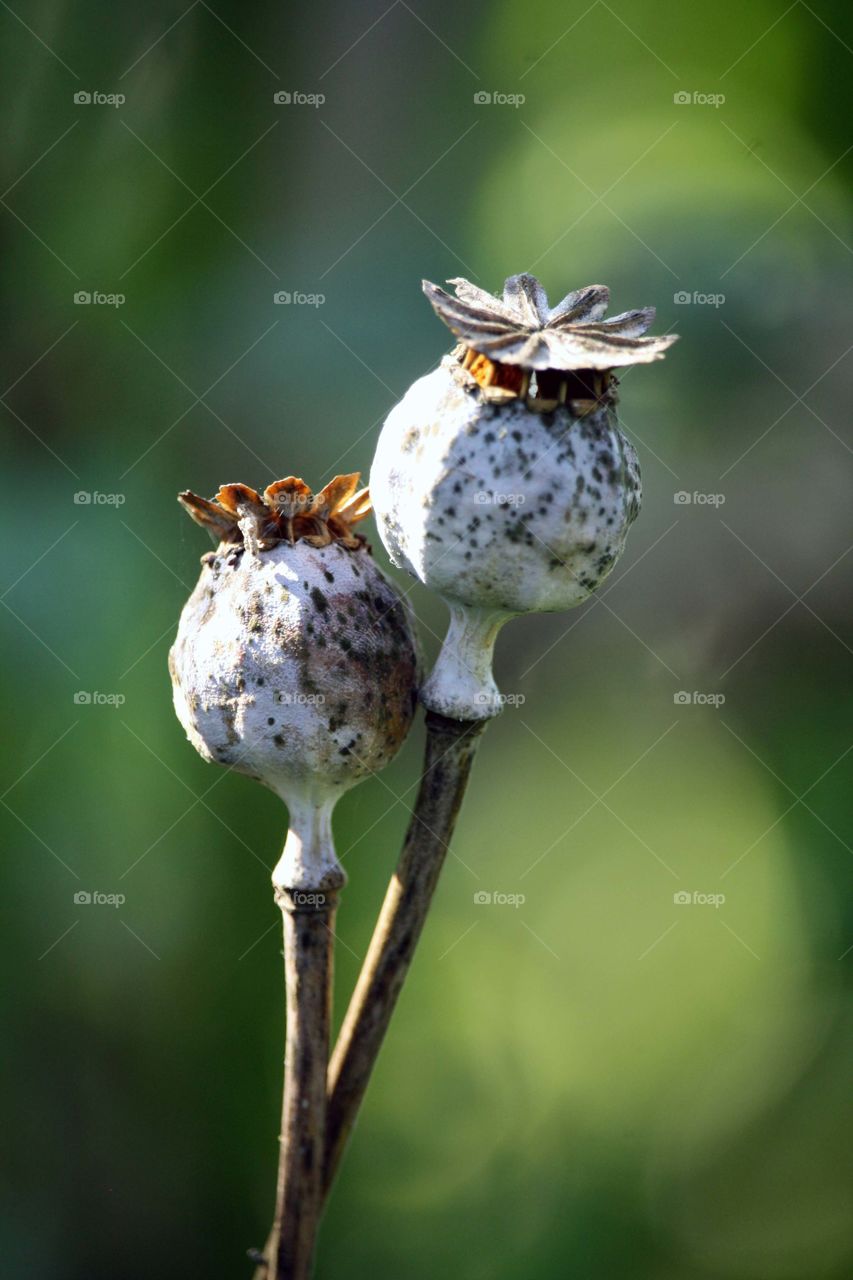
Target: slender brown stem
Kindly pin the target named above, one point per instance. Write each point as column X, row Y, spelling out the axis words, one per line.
column 308, row 958
column 450, row 749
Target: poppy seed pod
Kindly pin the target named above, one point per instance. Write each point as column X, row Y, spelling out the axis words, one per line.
column 502, row 480
column 295, row 661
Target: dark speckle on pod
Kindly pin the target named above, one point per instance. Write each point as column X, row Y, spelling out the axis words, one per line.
column 547, row 485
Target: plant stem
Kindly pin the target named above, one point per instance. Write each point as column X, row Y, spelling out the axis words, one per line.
column 308, row 941
column 450, row 749
column 306, row 882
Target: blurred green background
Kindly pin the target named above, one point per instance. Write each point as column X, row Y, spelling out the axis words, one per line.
column 601, row 1081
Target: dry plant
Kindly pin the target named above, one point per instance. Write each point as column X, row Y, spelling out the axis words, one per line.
column 503, row 482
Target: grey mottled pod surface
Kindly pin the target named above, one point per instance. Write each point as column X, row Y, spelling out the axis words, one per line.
column 503, row 480
column 295, row 661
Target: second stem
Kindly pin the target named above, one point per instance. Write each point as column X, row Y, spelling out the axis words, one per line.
column 450, row 749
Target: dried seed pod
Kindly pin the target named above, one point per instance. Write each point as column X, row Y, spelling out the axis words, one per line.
column 295, row 661
column 502, row 479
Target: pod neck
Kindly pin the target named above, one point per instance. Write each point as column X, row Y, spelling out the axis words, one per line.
column 308, row 864
column 461, row 685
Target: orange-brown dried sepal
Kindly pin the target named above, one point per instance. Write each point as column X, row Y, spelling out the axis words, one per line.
column 288, row 510
column 221, row 524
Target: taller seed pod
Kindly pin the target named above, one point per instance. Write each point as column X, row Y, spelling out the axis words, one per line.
column 295, row 661
column 503, row 480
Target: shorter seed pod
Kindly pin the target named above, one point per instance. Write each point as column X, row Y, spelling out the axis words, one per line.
column 503, row 480
column 295, row 661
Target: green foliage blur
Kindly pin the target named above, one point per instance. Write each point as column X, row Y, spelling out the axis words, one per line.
column 599, row 1081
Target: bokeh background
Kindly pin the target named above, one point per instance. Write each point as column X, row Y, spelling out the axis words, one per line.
column 599, row 1080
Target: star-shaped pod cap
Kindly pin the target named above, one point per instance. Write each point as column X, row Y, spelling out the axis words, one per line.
column 521, row 329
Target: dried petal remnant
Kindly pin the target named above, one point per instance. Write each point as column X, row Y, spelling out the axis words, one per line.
column 286, row 512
